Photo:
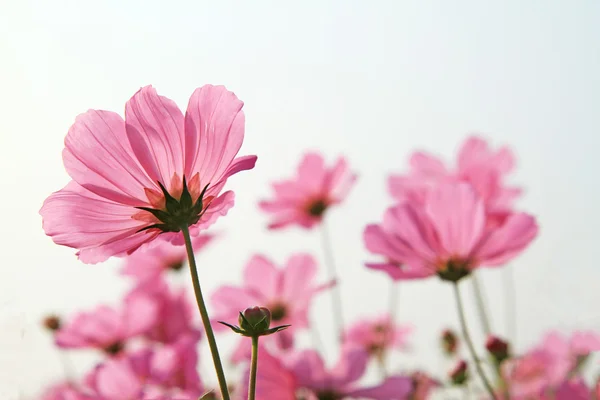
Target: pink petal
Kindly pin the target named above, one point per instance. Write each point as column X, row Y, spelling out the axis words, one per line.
column 240, row 164
column 228, row 301
column 403, row 272
column 155, row 129
column 101, row 228
column 309, row 369
column 312, row 173
column 98, row 156
column 473, row 151
column 405, row 188
column 141, row 313
column 262, row 278
column 380, row 242
column 298, row 277
column 218, row 208
column 117, row 381
column 574, row 389
column 214, row 131
column 274, row 380
column 508, row 241
column 351, row 366
column 339, row 180
column 426, row 165
column 394, row 387
column 458, row 216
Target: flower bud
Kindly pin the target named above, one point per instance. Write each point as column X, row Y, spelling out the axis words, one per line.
column 255, row 322
column 255, row 319
column 459, row 374
column 498, row 348
column 52, row 323
column 449, row 342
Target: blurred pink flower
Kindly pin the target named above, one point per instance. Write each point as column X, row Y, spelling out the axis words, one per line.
column 108, row 329
column 342, row 380
column 422, row 386
column 477, row 164
column 118, row 166
column 445, row 235
column 377, row 335
column 275, row 380
column 175, row 314
column 287, row 292
column 150, row 261
column 572, row 389
column 66, row 391
column 304, row 199
column 169, row 371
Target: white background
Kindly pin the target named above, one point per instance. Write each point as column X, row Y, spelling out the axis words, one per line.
column 370, row 80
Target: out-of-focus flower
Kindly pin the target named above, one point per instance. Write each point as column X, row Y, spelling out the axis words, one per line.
column 287, row 292
column 459, row 374
column 304, row 199
column 422, row 386
column 446, row 235
column 161, row 256
column 108, row 329
column 66, row 391
column 151, row 173
column 449, row 342
column 477, row 164
column 377, row 335
column 175, row 314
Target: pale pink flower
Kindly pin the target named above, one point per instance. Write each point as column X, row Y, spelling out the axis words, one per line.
column 287, row 292
column 445, row 235
column 477, row 164
column 66, row 391
column 377, row 335
column 108, row 329
column 304, row 199
column 150, row 261
column 175, row 313
column 341, row 381
column 128, row 175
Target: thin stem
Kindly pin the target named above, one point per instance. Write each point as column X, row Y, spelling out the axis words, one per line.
column 467, row 337
column 253, row 369
column 336, row 297
column 481, row 304
column 210, row 336
column 510, row 297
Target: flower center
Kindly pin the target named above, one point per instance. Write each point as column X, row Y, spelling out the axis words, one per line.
column 453, row 269
column 328, row 395
column 176, row 266
column 278, row 312
column 171, row 214
column 317, row 208
column 114, row 348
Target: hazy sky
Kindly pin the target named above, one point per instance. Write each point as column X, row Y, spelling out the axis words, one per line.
column 370, row 80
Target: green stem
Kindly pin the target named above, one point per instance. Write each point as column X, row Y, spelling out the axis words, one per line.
column 253, row 369
column 210, row 336
column 467, row 337
column 336, row 297
column 481, row 308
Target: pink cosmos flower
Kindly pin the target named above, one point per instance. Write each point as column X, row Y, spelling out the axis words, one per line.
column 148, row 262
column 477, row 165
column 175, row 314
column 304, row 376
column 151, row 173
column 342, row 380
column 168, row 372
column 304, row 199
column 66, row 391
column 445, row 235
column 287, row 292
column 108, row 329
column 377, row 335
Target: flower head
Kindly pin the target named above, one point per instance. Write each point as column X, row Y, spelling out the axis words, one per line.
column 446, row 235
column 287, row 292
column 304, row 199
column 107, row 329
column 255, row 322
column 459, row 374
column 376, row 335
column 160, row 257
column 498, row 348
column 150, row 174
column 449, row 342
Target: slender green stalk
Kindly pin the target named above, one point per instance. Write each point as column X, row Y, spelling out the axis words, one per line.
column 210, row 336
column 481, row 306
column 253, row 369
column 336, row 296
column 467, row 337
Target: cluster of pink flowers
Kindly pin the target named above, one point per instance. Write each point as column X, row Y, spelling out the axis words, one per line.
column 145, row 187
